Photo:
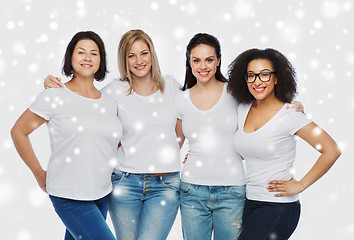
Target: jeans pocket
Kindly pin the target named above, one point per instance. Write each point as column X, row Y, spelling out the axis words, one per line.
column 171, row 181
column 238, row 191
column 117, row 176
column 186, row 188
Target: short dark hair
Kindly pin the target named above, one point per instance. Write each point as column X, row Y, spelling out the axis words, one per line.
column 67, row 66
column 207, row 39
column 285, row 89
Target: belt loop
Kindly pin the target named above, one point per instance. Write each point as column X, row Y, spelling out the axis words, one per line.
column 161, row 178
column 126, row 174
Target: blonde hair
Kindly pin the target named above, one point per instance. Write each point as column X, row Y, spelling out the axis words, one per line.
column 124, row 46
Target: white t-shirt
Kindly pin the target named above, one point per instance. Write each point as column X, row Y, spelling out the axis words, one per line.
column 149, row 142
column 269, row 152
column 84, row 134
column 212, row 160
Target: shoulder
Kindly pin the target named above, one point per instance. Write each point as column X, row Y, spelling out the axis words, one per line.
column 171, row 83
column 292, row 119
column 48, row 94
column 243, row 106
column 116, row 87
column 182, row 95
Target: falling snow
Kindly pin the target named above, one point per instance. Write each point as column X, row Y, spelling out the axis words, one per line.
column 316, row 36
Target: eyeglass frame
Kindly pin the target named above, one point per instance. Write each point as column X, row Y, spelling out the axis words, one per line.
column 257, row 75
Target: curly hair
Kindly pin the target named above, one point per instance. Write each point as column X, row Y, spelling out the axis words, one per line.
column 285, row 89
column 206, row 39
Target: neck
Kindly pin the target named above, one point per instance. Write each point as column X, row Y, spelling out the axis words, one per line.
column 268, row 103
column 209, row 85
column 82, row 84
column 144, row 84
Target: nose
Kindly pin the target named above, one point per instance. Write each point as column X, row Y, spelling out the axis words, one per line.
column 258, row 80
column 203, row 65
column 88, row 57
column 138, row 59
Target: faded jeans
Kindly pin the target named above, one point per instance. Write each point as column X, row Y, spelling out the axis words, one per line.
column 143, row 206
column 211, row 209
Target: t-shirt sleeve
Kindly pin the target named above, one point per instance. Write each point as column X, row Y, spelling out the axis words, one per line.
column 297, row 120
column 173, row 85
column 44, row 104
column 179, row 105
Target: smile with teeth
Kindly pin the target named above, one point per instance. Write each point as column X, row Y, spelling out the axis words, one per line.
column 259, row 89
column 86, row 65
column 204, row 73
column 140, row 67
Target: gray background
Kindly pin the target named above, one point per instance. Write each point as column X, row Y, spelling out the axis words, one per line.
column 317, row 36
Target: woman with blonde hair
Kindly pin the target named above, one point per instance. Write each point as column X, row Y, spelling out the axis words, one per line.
column 145, row 197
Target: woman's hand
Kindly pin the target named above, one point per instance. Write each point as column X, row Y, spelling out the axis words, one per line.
column 290, row 187
column 297, row 105
column 53, row 82
column 41, row 178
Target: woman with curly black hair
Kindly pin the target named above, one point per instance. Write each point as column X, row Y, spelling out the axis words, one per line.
column 264, row 82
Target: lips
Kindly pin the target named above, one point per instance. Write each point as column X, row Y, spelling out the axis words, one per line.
column 140, row 67
column 86, row 65
column 203, row 74
column 259, row 89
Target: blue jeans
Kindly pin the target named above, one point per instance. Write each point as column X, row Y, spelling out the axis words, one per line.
column 83, row 220
column 269, row 220
column 205, row 209
column 143, row 206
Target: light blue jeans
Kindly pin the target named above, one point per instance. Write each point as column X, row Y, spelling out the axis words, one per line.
column 143, row 206
column 207, row 209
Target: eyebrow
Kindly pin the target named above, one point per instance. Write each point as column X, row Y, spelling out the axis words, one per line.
column 266, row 69
column 206, row 57
column 140, row 51
column 85, row 49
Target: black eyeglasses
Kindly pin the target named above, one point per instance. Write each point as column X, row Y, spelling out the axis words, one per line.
column 263, row 76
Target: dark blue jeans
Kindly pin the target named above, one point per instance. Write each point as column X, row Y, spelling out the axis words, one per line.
column 84, row 220
column 269, row 220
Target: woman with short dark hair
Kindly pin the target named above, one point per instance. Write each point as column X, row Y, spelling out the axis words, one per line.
column 84, row 132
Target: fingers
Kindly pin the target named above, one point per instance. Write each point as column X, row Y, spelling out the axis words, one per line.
column 53, row 82
column 185, row 159
column 276, row 188
column 56, row 82
column 297, row 105
column 280, row 194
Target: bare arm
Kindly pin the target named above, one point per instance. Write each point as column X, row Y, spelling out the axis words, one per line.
column 24, row 126
column 320, row 140
column 52, row 82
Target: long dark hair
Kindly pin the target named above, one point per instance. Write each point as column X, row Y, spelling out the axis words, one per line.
column 207, row 39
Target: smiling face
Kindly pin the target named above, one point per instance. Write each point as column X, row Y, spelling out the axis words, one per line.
column 140, row 60
column 261, row 90
column 203, row 62
column 85, row 59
